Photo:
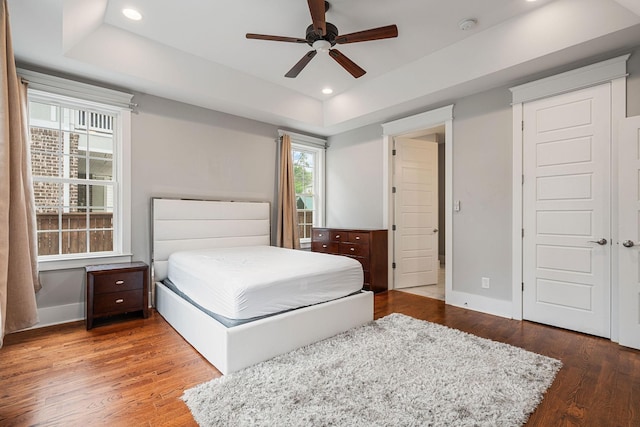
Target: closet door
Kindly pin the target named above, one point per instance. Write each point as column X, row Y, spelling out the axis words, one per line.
column 629, row 232
column 566, row 211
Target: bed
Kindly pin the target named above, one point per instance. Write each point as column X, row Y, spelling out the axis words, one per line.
column 200, row 227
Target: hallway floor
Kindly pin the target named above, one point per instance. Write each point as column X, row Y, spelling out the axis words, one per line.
column 431, row 291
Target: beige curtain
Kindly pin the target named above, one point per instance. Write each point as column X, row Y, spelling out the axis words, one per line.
column 287, row 214
column 18, row 256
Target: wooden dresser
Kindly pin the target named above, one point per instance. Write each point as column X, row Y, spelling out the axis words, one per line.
column 367, row 246
column 114, row 289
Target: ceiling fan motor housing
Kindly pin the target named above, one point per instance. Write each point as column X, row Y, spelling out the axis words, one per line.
column 312, row 36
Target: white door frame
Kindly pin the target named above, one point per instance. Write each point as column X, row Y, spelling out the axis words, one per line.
column 404, row 126
column 613, row 71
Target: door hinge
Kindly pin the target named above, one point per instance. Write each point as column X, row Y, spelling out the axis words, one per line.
column 522, row 286
column 393, row 227
column 393, row 189
column 393, row 265
column 393, row 152
column 522, row 179
column 523, row 233
column 522, row 124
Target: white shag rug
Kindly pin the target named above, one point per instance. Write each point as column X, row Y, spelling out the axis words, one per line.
column 395, row 371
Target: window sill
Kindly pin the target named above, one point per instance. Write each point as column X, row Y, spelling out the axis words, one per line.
column 71, row 263
column 305, row 245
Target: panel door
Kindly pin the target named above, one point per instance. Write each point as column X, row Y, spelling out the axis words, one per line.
column 566, row 209
column 629, row 232
column 416, row 213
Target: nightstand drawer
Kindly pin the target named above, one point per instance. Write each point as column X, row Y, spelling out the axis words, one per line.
column 118, row 302
column 118, row 282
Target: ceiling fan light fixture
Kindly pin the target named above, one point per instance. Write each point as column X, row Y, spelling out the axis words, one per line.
column 132, row 14
column 321, row 45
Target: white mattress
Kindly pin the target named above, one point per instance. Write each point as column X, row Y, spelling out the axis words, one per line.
column 251, row 281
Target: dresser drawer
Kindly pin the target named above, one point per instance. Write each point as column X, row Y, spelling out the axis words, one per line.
column 363, row 261
column 320, row 235
column 362, row 238
column 118, row 282
column 354, row 249
column 338, row 236
column 329, row 248
column 118, row 302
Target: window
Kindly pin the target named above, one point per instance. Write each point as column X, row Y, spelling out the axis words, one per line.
column 80, row 184
column 308, row 171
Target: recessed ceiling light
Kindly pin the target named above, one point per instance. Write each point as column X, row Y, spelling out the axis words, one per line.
column 327, row 91
column 132, row 14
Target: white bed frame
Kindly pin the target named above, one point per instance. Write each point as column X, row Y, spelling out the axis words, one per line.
column 198, row 224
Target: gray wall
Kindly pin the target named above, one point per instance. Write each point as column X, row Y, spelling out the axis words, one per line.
column 482, row 141
column 180, row 150
column 354, row 179
column 482, row 162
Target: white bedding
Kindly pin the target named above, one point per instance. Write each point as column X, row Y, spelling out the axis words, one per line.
column 251, row 281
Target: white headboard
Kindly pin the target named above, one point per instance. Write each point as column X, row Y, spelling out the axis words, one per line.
column 180, row 225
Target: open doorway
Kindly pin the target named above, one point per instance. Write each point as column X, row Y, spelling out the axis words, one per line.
column 418, row 198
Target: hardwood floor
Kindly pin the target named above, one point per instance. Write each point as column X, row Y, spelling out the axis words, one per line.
column 133, row 373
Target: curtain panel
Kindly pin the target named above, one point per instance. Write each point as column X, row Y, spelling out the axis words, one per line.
column 287, row 227
column 18, row 251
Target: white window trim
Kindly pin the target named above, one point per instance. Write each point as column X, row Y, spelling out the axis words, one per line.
column 319, row 146
column 56, row 89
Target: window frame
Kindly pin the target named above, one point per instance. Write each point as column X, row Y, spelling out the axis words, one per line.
column 317, row 146
column 41, row 90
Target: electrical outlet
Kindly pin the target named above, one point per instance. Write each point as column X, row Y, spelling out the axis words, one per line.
column 485, row 282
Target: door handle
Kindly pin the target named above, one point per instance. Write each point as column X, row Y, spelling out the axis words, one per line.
column 435, row 230
column 629, row 244
column 601, row 242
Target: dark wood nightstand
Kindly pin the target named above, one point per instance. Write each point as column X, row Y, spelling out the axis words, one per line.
column 114, row 289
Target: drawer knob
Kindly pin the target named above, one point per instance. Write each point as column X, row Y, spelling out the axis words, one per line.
column 352, row 249
column 324, row 246
column 119, row 282
column 337, row 236
column 119, row 301
column 357, row 237
column 320, row 235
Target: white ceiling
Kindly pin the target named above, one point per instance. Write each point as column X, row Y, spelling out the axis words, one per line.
column 195, row 51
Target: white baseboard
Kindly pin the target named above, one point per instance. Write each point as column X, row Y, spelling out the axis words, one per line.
column 59, row 314
column 480, row 303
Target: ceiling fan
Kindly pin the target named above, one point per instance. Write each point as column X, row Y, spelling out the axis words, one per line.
column 323, row 35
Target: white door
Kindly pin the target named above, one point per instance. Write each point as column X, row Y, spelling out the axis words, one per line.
column 629, row 233
column 416, row 213
column 566, row 209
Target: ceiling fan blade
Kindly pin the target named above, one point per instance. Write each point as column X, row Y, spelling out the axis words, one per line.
column 275, row 38
column 293, row 72
column 387, row 32
column 346, row 63
column 317, row 9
